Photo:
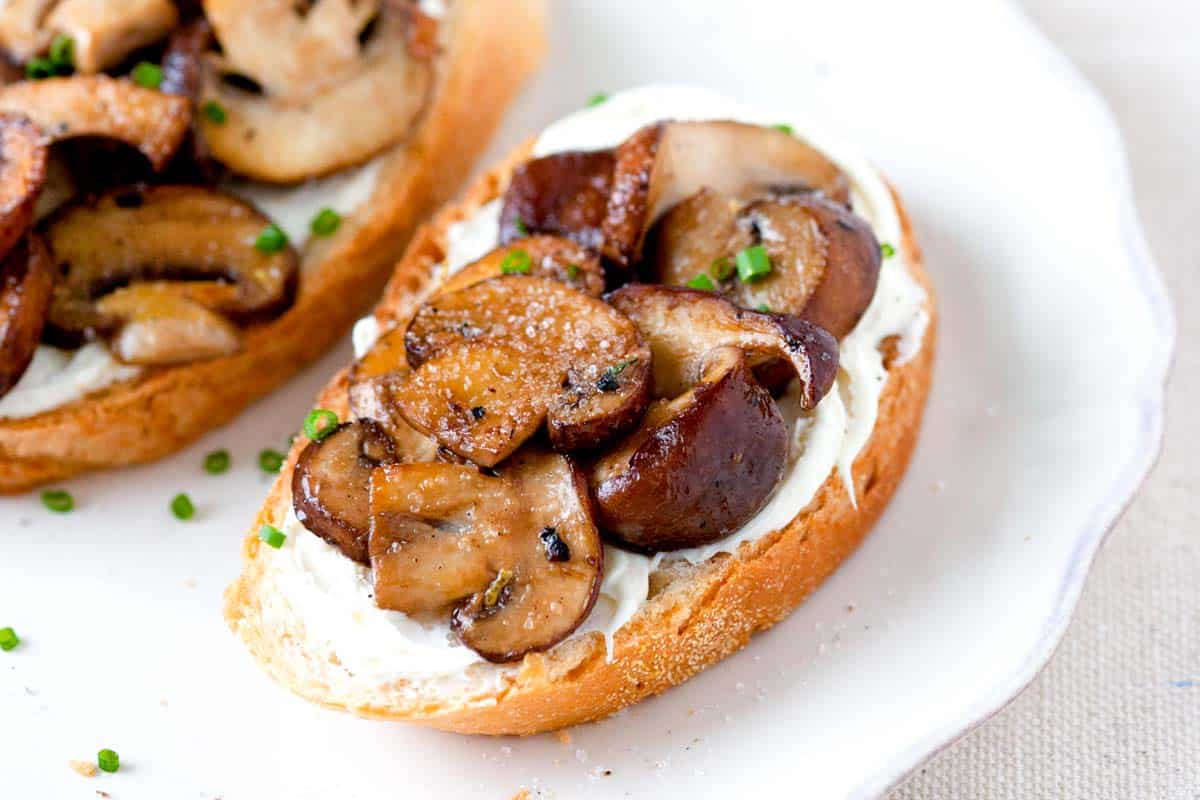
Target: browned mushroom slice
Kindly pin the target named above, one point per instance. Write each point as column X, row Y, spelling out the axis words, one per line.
column 157, row 324
column 586, row 364
column 97, row 105
column 374, row 381
column 824, row 260
column 26, row 278
column 683, row 326
column 323, row 99
column 189, row 234
column 565, row 194
column 663, row 164
column 331, row 484
column 516, row 559
column 537, row 256
column 105, row 32
column 22, row 32
column 23, row 167
column 700, row 465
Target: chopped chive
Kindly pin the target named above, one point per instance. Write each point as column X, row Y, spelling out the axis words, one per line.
column 38, row 68
column 722, row 267
column 753, row 263
column 272, row 536
column 763, row 308
column 217, row 462
column 702, row 282
column 783, row 126
column 319, row 423
column 520, row 225
column 62, row 54
column 147, row 75
column 215, row 112
column 326, row 222
column 58, row 500
column 181, row 507
column 270, row 460
column 599, row 98
column 517, row 262
column 492, row 596
column 8, row 639
column 886, row 250
column 608, row 381
column 271, row 239
column 573, row 271
column 108, row 760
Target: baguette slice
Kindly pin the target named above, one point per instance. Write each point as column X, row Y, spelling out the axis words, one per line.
column 491, row 48
column 696, row 614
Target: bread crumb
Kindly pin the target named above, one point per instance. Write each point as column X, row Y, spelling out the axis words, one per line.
column 521, row 795
column 84, row 768
column 563, row 737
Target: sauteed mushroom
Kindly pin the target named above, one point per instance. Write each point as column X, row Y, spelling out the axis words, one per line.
column 565, row 194
column 105, row 32
column 515, row 559
column 159, row 324
column 26, row 278
column 23, row 169
column 537, row 256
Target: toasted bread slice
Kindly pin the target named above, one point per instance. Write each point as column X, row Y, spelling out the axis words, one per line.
column 491, row 48
column 695, row 616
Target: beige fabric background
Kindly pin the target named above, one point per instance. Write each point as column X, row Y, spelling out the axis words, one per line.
column 1116, row 714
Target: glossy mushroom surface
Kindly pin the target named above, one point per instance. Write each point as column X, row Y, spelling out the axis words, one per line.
column 539, row 257
column 200, row 238
column 26, row 279
column 331, row 484
column 584, row 366
column 683, row 326
column 514, row 561
column 24, row 163
column 105, row 32
column 699, row 466
column 97, row 105
column 564, row 194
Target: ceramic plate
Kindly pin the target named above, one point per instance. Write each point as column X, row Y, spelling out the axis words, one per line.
column 1046, row 413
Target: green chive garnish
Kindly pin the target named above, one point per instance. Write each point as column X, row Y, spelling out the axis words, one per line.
column 270, row 460
column 58, row 500
column 722, row 268
column 108, row 760
column 492, row 596
column 573, row 271
column 886, row 250
column 147, row 75
column 62, row 54
column 38, row 68
column 217, row 462
column 599, row 98
column 272, row 535
column 215, row 112
column 753, row 263
column 619, row 367
column 520, row 225
column 763, row 308
column 702, row 282
column 783, row 126
column 319, row 423
column 271, row 239
column 8, row 639
column 517, row 262
column 181, row 507
column 326, row 222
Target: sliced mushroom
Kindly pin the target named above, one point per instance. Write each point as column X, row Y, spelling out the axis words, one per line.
column 663, row 164
column 23, row 169
column 22, row 32
column 700, row 465
column 183, row 68
column 683, row 326
column 331, row 484
column 158, row 324
column 321, row 99
column 824, row 260
column 537, row 256
column 26, row 279
column 105, row 32
column 97, row 105
column 182, row 233
column 375, row 380
column 515, row 560
column 586, row 367
column 565, row 194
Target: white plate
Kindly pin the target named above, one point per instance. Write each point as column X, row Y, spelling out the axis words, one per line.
column 1046, row 413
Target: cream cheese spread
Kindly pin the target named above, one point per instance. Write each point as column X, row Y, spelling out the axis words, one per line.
column 385, row 645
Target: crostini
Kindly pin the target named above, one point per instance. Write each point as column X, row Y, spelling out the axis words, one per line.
column 623, row 406
column 200, row 198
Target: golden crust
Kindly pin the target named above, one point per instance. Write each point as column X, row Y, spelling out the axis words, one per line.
column 165, row 409
column 696, row 615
